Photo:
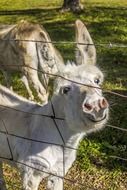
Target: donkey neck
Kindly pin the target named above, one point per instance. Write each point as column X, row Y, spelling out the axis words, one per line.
column 69, row 137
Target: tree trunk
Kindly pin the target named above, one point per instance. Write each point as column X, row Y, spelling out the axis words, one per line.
column 73, row 5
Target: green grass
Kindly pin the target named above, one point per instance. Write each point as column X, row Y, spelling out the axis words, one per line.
column 106, row 21
column 29, row 4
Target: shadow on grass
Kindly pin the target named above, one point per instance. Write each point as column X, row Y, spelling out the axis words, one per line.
column 105, row 147
column 27, row 11
column 105, row 25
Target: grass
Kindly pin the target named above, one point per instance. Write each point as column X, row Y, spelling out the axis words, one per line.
column 106, row 20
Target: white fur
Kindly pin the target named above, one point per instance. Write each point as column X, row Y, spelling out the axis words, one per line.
column 68, row 102
column 48, row 157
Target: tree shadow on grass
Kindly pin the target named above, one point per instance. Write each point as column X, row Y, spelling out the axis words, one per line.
column 102, row 25
column 27, row 11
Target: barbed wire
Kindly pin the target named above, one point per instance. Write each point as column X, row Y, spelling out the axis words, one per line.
column 106, row 90
column 102, row 44
column 30, row 113
column 118, row 158
column 40, row 170
column 115, row 127
column 18, row 162
column 63, row 146
column 43, row 171
column 54, row 117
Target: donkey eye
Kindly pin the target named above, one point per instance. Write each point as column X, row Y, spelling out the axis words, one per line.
column 66, row 89
column 97, row 81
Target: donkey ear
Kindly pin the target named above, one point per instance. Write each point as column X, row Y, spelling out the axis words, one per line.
column 85, row 53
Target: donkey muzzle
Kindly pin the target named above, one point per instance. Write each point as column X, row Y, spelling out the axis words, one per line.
column 96, row 111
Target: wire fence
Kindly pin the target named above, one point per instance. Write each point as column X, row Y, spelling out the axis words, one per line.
column 53, row 116
column 106, row 45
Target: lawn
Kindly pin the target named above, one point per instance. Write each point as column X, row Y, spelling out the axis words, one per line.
column 96, row 167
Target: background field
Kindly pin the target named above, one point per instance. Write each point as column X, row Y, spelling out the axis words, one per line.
column 107, row 22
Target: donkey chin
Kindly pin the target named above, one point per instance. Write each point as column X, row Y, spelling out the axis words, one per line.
column 98, row 117
column 96, row 121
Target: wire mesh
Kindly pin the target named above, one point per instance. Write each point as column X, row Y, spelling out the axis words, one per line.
column 54, row 117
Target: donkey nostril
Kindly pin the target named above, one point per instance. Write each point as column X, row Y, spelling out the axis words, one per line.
column 88, row 106
column 103, row 103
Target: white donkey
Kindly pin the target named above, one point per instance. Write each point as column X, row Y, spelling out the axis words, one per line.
column 23, row 47
column 50, row 149
column 82, row 109
column 19, row 52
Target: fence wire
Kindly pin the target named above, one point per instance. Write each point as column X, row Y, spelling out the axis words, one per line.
column 106, row 90
column 53, row 116
column 34, row 140
column 103, row 44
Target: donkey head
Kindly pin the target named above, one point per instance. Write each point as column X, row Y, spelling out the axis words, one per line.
column 82, row 102
column 85, row 108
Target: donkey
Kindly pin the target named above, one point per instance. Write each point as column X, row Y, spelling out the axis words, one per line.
column 23, row 47
column 43, row 143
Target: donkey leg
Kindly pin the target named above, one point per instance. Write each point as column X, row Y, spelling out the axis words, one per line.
column 55, row 183
column 25, row 81
column 2, row 182
column 44, row 80
column 33, row 77
column 7, row 78
column 31, row 184
column 31, row 179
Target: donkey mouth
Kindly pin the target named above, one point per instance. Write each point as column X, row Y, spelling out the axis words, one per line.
column 92, row 119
